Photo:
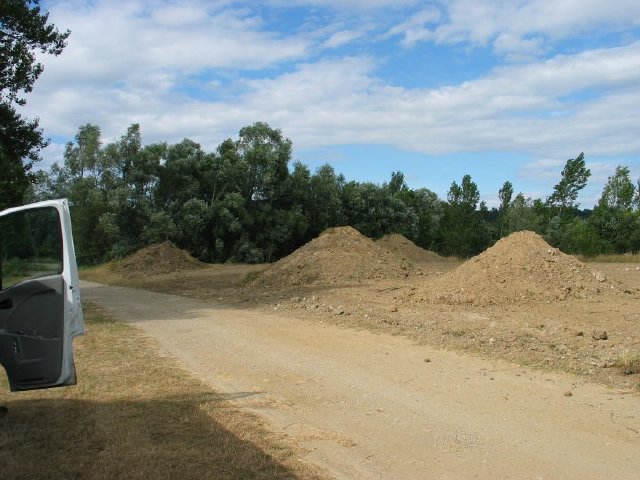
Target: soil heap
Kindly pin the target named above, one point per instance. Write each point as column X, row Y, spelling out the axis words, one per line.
column 406, row 249
column 157, row 259
column 520, row 268
column 338, row 255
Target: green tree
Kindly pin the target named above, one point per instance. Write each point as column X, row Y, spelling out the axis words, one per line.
column 574, row 178
column 159, row 228
column 325, row 207
column 374, row 211
column 24, row 31
column 562, row 203
column 179, row 179
column 272, row 225
column 428, row 210
column 619, row 191
column 83, row 157
column 505, row 195
column 580, row 237
column 20, row 140
column 613, row 217
column 397, row 185
column 79, row 179
column 267, row 154
column 463, row 230
column 525, row 214
column 192, row 222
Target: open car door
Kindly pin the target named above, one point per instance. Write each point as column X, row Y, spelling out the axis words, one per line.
column 40, row 309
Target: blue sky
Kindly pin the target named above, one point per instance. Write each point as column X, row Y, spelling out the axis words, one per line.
column 502, row 90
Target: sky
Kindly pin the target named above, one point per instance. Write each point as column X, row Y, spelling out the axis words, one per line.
column 498, row 89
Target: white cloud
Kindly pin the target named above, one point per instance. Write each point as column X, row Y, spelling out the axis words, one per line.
column 520, row 27
column 180, row 15
column 513, row 108
column 125, row 62
column 345, row 4
column 112, row 40
column 342, row 102
column 600, row 171
column 415, row 28
column 130, row 61
column 51, row 154
column 542, row 169
column 343, row 37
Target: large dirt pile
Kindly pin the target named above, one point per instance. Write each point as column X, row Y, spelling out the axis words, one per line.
column 157, row 259
column 520, row 268
column 406, row 249
column 338, row 255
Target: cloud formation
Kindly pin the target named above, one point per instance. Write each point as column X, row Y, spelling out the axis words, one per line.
column 516, row 27
column 203, row 70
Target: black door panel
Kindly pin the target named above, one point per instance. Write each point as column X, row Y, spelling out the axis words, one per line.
column 32, row 332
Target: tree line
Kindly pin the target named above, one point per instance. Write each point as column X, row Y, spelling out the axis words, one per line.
column 247, row 202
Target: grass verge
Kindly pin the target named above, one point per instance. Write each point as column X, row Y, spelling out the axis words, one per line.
column 106, row 274
column 135, row 414
column 617, row 258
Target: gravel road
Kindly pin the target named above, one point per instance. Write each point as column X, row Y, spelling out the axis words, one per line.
column 368, row 406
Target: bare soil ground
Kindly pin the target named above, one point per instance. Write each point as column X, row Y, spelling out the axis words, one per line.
column 406, row 249
column 346, row 395
column 366, row 405
column 337, row 256
column 521, row 300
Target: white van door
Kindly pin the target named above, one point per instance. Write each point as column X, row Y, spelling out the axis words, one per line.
column 40, row 308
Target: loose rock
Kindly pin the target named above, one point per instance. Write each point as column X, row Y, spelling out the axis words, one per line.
column 599, row 335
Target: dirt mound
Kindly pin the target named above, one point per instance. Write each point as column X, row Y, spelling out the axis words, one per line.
column 518, row 269
column 338, row 255
column 406, row 249
column 157, row 259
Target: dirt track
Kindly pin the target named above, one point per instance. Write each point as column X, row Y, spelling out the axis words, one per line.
column 377, row 406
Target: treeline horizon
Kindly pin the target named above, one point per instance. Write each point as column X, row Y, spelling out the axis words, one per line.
column 247, row 202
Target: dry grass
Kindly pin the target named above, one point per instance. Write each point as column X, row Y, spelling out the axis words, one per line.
column 135, row 414
column 619, row 258
column 629, row 363
column 213, row 281
column 106, row 274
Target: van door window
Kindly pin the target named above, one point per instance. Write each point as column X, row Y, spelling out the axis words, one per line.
column 31, row 246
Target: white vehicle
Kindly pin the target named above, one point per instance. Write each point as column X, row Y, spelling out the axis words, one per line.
column 40, row 309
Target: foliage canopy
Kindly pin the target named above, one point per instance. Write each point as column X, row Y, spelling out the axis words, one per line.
column 24, row 30
column 247, row 202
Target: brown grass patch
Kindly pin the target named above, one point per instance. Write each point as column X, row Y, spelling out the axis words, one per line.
column 618, row 258
column 629, row 363
column 135, row 414
column 214, row 281
column 106, row 273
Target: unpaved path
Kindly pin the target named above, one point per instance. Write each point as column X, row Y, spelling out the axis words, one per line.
column 377, row 406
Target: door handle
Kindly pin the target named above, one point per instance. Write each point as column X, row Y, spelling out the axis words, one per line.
column 6, row 304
